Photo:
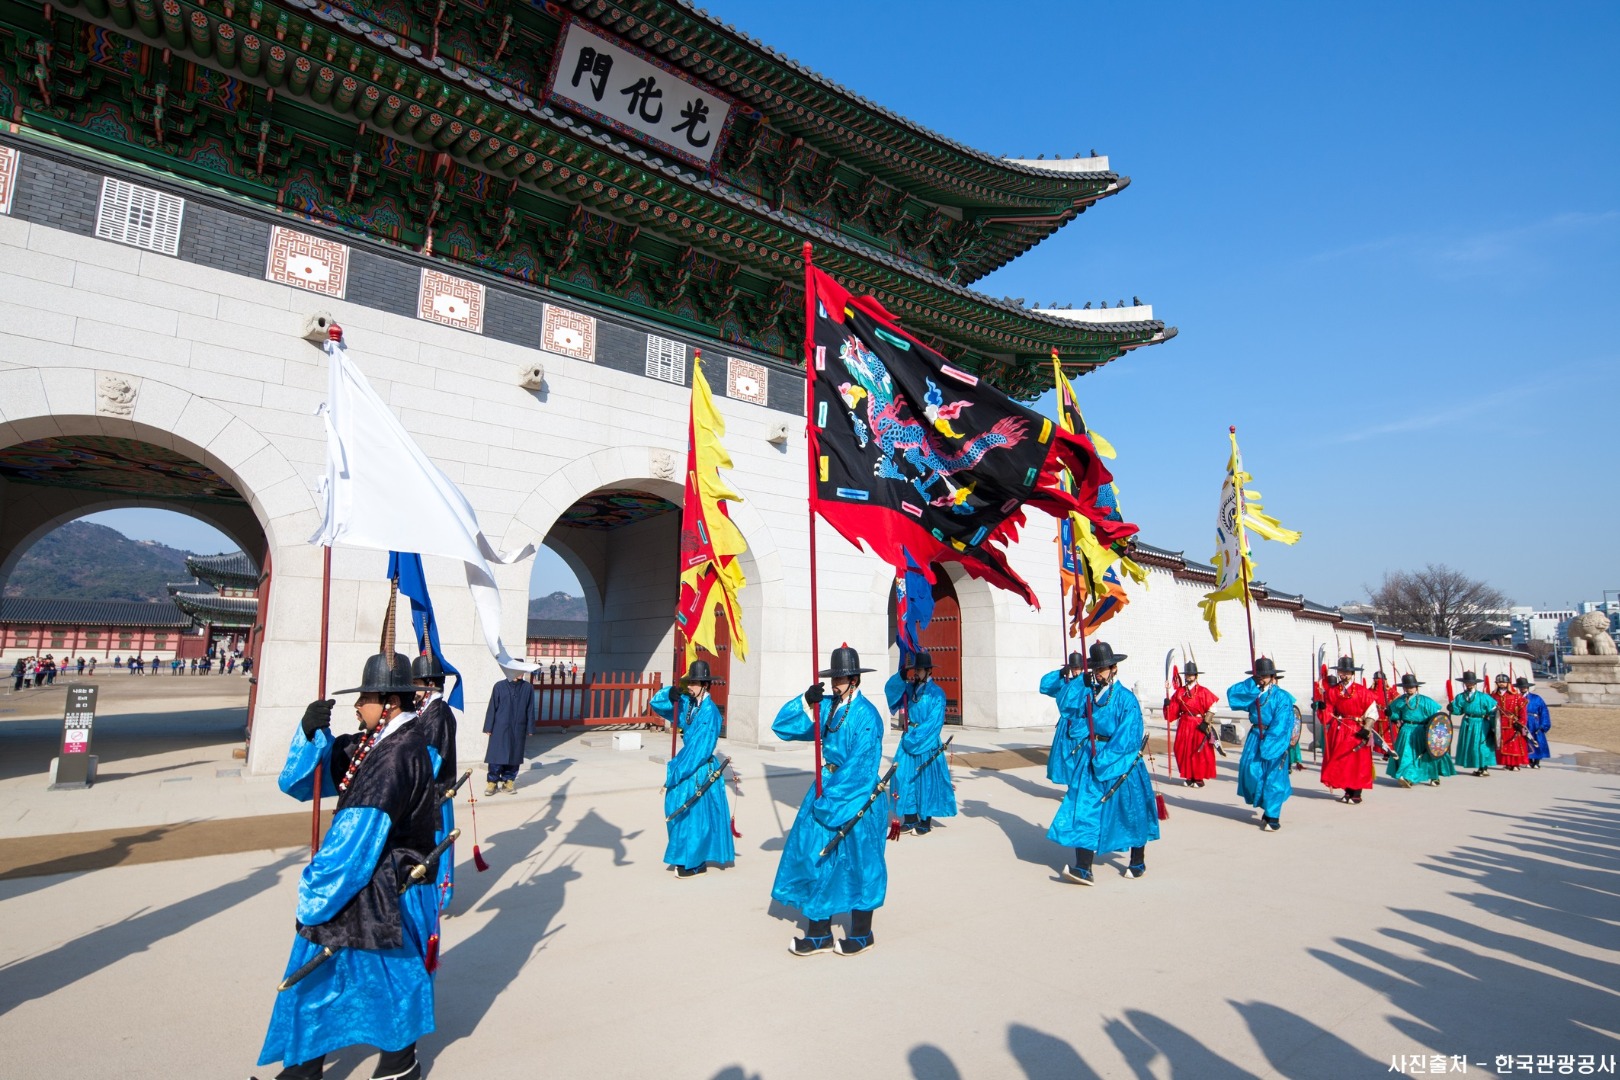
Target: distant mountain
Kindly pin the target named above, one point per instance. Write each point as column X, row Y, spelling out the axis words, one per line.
column 559, row 605
column 85, row 561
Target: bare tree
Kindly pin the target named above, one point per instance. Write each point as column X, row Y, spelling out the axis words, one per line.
column 1440, row 601
column 1540, row 651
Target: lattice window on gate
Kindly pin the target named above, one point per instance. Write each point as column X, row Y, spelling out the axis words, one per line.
column 139, row 217
column 666, row 360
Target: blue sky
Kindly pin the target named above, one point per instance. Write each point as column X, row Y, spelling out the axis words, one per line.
column 1388, row 233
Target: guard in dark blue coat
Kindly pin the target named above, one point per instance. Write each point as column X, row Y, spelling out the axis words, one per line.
column 437, row 723
column 833, row 860
column 361, row 968
column 512, row 711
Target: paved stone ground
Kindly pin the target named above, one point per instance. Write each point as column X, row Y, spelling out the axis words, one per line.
column 1475, row 919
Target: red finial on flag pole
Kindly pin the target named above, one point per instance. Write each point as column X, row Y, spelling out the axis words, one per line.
column 334, row 332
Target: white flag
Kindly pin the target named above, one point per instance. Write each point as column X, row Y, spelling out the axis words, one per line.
column 382, row 492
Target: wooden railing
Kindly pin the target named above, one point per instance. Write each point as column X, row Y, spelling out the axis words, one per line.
column 597, row 698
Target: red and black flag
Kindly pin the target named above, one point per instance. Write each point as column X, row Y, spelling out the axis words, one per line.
column 915, row 455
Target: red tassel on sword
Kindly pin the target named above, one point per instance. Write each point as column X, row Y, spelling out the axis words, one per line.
column 1164, row 811
column 472, row 807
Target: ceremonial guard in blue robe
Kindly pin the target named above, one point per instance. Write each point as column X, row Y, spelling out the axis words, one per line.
column 1109, row 805
column 696, row 810
column 437, row 723
column 1476, row 727
column 1409, row 715
column 833, row 860
column 1539, row 721
column 513, row 709
column 1263, row 769
column 1068, row 685
column 922, row 776
column 360, row 972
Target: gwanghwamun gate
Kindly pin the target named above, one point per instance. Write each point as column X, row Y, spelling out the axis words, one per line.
column 526, row 216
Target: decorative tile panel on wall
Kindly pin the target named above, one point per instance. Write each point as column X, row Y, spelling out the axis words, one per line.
column 8, row 177
column 747, row 381
column 140, row 216
column 569, row 333
column 666, row 360
column 309, row 262
column 451, row 301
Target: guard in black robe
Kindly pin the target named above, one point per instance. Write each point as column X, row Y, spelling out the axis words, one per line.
column 510, row 717
column 436, row 722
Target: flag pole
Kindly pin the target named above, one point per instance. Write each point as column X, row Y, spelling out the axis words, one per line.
column 810, row 448
column 1243, row 553
column 334, row 337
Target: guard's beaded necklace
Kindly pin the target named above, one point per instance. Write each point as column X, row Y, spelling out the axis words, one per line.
column 360, row 755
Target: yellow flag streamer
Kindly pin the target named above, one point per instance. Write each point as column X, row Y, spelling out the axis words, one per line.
column 1240, row 513
column 710, row 570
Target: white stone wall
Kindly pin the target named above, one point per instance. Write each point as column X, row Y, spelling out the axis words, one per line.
column 224, row 375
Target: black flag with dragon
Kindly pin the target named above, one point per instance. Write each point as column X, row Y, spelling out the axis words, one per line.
column 916, row 455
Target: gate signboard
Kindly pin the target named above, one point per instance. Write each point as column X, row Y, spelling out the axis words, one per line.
column 78, row 720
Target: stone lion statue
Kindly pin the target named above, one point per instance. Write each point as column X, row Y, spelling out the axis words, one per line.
column 1589, row 635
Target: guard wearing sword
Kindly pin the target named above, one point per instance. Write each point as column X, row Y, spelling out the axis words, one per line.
column 922, row 777
column 696, row 810
column 834, row 859
column 1187, row 706
column 1263, row 780
column 1537, row 720
column 361, row 968
column 437, row 723
column 1347, row 760
column 1475, row 713
column 1109, row 805
column 1413, row 760
column 1513, row 747
column 1068, row 685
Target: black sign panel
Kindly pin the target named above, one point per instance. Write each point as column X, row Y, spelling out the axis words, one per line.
column 78, row 719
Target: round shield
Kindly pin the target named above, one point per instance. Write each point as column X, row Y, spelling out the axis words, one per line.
column 1439, row 736
column 1299, row 726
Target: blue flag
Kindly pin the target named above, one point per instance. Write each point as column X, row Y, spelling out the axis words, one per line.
column 913, row 608
column 407, row 567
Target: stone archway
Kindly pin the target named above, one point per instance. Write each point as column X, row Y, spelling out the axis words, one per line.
column 653, row 470
column 79, row 402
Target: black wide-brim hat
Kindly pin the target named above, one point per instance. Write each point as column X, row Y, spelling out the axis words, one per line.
column 698, row 671
column 1410, row 682
column 1191, row 668
column 385, row 673
column 1265, row 666
column 845, row 662
column 921, row 660
column 1469, row 677
column 1346, row 664
column 427, row 666
column 1077, row 660
column 1104, row 656
column 1523, row 683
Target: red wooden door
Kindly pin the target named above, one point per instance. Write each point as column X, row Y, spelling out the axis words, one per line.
column 943, row 640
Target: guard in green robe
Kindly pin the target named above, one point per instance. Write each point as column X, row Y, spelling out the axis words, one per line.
column 1410, row 714
column 1475, row 713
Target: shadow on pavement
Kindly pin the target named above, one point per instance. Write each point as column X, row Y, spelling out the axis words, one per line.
column 89, row 952
column 484, row 966
column 1472, row 982
column 506, row 848
column 594, row 830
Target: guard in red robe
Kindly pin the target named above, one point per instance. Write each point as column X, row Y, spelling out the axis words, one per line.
column 1188, row 708
column 1347, row 759
column 1514, row 749
column 1383, row 693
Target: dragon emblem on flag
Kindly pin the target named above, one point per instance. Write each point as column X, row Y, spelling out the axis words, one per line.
column 908, row 450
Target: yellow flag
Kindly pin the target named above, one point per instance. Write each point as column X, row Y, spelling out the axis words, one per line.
column 711, row 575
column 1240, row 513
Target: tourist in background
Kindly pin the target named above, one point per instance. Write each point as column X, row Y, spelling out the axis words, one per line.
column 81, row 665
column 17, row 672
